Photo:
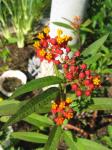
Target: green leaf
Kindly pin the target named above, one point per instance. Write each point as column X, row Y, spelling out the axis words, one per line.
column 7, row 105
column 94, row 47
column 86, row 29
column 92, row 59
column 68, row 138
column 101, row 104
column 81, row 144
column 107, row 141
column 36, row 84
column 53, row 139
column 109, row 128
column 30, row 137
column 36, row 104
column 86, row 23
column 64, row 25
column 38, row 120
column 89, row 145
column 107, row 70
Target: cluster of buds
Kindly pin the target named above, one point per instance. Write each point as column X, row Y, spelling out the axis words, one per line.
column 76, row 22
column 61, row 110
column 52, row 49
column 82, row 81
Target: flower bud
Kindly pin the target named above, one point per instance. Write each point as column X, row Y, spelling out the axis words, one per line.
column 74, row 86
column 88, row 72
column 53, row 41
column 78, row 93
column 82, row 75
column 69, row 76
column 83, row 66
column 68, row 49
column 65, row 66
column 87, row 92
column 87, row 82
column 77, row 54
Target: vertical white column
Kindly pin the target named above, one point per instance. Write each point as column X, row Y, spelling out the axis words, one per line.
column 66, row 9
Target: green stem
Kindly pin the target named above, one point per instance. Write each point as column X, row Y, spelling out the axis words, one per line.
column 61, row 86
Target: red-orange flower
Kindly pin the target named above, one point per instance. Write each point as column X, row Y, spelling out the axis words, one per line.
column 52, row 49
column 61, row 111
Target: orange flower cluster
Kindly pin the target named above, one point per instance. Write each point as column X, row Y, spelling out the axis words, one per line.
column 51, row 49
column 61, row 111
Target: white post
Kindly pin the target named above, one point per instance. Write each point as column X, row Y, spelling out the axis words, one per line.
column 66, row 9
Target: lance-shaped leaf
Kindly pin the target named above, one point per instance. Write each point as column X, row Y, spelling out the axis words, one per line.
column 36, row 104
column 94, row 47
column 30, row 137
column 9, row 107
column 38, row 120
column 53, row 139
column 101, row 104
column 84, row 144
column 109, row 129
column 68, row 138
column 36, row 84
column 64, row 25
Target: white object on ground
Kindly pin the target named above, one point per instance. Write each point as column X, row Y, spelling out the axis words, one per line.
column 46, row 68
column 34, row 66
column 11, row 73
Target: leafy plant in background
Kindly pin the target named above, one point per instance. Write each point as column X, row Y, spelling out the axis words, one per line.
column 17, row 18
column 97, row 56
column 4, row 56
column 100, row 13
column 108, row 139
column 57, row 106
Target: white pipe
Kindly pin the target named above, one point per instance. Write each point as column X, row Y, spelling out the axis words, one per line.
column 65, row 9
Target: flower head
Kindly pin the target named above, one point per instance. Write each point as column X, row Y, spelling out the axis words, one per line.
column 46, row 30
column 62, row 110
column 96, row 81
column 40, row 36
column 52, row 49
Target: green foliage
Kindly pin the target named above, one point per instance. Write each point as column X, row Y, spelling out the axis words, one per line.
column 36, row 84
column 100, row 12
column 39, row 120
column 84, row 144
column 54, row 138
column 98, row 57
column 4, row 54
column 61, row 24
column 30, row 137
column 6, row 107
column 22, row 14
column 36, row 104
column 107, row 140
column 81, row 143
column 101, row 104
column 94, row 47
column 70, row 141
column 110, row 131
column 29, row 111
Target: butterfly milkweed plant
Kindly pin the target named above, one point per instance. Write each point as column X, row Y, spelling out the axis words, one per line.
column 67, row 94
